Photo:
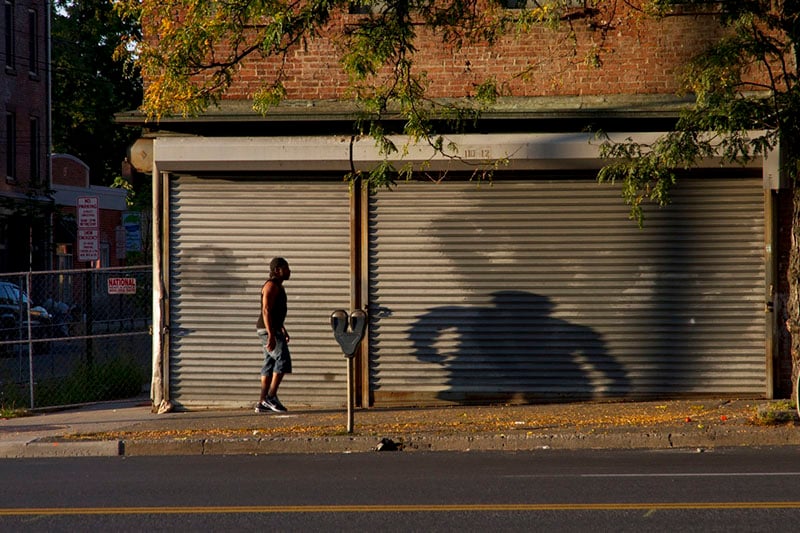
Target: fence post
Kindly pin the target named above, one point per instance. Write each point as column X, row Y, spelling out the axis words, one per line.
column 87, row 313
column 30, row 335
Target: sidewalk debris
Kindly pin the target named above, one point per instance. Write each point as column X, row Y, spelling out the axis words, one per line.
column 132, row 428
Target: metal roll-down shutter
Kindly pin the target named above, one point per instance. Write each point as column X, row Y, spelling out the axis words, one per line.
column 544, row 289
column 223, row 233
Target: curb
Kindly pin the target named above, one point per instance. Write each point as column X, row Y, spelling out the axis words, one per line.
column 152, row 441
column 656, row 440
column 37, row 449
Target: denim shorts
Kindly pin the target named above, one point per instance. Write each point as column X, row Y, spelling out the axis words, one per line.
column 278, row 360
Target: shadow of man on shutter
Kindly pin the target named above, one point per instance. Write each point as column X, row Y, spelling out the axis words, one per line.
column 515, row 350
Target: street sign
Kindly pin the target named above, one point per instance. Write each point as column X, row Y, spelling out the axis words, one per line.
column 88, row 244
column 132, row 221
column 88, row 208
column 121, row 285
column 88, row 212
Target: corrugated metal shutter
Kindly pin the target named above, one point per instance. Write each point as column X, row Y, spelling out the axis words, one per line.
column 223, row 233
column 543, row 288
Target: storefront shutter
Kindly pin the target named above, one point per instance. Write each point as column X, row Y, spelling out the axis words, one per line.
column 544, row 289
column 222, row 235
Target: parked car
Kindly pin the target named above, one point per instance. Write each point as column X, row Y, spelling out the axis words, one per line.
column 14, row 316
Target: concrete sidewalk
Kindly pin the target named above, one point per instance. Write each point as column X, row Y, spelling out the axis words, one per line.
column 130, row 428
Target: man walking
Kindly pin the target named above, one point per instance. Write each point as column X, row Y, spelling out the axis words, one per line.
column 274, row 339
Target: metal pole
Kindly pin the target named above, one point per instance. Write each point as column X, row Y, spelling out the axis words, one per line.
column 88, row 319
column 351, row 393
column 30, row 336
column 28, row 311
column 349, row 342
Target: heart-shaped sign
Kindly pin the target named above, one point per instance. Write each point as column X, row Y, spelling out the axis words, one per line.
column 348, row 340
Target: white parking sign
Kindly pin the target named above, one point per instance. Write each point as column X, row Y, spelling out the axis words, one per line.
column 88, row 228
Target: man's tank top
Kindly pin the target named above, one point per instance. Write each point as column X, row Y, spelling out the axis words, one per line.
column 277, row 313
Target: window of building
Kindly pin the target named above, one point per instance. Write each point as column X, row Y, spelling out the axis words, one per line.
column 33, row 42
column 11, row 52
column 36, row 167
column 11, row 147
column 104, row 260
column 64, row 261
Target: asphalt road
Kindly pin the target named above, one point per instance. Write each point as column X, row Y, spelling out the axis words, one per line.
column 719, row 490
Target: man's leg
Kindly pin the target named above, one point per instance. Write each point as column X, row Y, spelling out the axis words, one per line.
column 277, row 377
column 266, row 382
column 282, row 364
column 266, row 368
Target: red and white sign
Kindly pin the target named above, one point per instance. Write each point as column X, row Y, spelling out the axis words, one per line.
column 88, row 244
column 88, row 212
column 88, row 228
column 121, row 285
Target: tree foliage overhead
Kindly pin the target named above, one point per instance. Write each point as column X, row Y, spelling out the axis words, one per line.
column 745, row 82
column 747, row 102
column 91, row 83
column 195, row 49
column 745, row 85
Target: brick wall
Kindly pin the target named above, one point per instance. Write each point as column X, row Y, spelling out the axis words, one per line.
column 69, row 170
column 638, row 57
column 23, row 93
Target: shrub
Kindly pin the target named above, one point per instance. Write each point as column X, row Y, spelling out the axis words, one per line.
column 13, row 399
column 775, row 413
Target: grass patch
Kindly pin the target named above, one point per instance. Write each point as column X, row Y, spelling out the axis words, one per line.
column 775, row 413
column 112, row 380
column 12, row 412
column 115, row 379
column 13, row 400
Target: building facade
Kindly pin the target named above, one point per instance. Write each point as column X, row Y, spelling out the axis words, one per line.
column 70, row 182
column 25, row 207
column 532, row 287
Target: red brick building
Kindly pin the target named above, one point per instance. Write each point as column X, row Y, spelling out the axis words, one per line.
column 552, row 62
column 535, row 287
column 25, row 209
column 69, row 183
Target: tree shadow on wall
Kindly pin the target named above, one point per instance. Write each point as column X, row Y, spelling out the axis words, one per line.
column 203, row 281
column 515, row 350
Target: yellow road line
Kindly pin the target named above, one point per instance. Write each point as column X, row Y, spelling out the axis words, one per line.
column 511, row 507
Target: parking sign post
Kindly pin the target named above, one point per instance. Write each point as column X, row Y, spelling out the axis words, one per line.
column 349, row 341
column 88, row 208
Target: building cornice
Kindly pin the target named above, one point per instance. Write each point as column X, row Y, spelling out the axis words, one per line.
column 545, row 107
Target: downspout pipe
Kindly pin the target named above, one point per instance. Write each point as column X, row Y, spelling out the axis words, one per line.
column 49, row 127
column 158, row 396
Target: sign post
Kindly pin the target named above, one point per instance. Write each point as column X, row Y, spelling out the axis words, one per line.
column 88, row 208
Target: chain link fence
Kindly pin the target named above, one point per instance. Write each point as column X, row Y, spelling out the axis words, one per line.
column 74, row 336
